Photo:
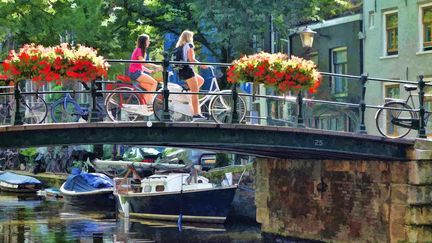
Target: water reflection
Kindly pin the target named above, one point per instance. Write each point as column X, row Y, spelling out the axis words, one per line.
column 160, row 231
column 29, row 218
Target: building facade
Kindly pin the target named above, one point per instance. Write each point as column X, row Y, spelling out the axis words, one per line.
column 398, row 45
column 337, row 48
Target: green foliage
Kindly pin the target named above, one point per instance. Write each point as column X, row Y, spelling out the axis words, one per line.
column 225, row 27
column 30, row 154
column 54, row 97
column 222, row 160
column 78, row 163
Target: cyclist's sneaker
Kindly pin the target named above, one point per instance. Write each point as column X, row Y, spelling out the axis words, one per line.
column 198, row 117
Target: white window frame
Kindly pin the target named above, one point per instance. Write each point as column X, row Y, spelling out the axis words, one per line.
column 345, row 92
column 384, row 32
column 420, row 27
column 371, row 19
column 428, row 98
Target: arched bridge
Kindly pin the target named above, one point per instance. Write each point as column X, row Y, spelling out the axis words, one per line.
column 278, row 142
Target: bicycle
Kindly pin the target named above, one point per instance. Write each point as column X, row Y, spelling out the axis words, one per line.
column 33, row 107
column 132, row 106
column 397, row 118
column 67, row 109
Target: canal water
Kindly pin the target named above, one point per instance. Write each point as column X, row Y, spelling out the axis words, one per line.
column 29, row 218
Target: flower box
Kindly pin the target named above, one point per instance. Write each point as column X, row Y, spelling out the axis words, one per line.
column 59, row 63
column 277, row 71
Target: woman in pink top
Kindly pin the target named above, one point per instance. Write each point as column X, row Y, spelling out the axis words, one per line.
column 136, row 70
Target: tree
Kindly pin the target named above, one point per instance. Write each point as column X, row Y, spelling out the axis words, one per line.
column 225, row 27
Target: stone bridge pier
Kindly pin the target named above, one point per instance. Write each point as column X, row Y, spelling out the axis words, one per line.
column 347, row 200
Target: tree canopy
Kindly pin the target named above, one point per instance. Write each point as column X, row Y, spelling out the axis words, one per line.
column 225, row 27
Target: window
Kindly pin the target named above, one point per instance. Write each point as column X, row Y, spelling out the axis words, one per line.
column 426, row 23
column 147, row 188
column 160, row 188
column 428, row 105
column 335, row 122
column 257, row 43
column 314, row 57
column 391, row 91
column 371, row 19
column 339, row 65
column 391, row 33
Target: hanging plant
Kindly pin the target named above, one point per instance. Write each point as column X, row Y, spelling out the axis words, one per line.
column 277, row 71
column 47, row 64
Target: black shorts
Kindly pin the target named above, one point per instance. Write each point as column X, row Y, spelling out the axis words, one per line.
column 186, row 73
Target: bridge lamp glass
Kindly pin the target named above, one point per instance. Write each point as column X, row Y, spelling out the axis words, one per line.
column 307, row 37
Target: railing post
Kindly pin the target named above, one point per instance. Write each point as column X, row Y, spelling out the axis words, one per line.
column 362, row 126
column 165, row 114
column 300, row 121
column 234, row 113
column 422, row 130
column 17, row 94
column 93, row 113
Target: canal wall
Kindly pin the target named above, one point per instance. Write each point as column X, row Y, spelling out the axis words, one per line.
column 243, row 206
column 347, row 201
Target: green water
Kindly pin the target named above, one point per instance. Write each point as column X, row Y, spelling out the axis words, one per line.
column 28, row 218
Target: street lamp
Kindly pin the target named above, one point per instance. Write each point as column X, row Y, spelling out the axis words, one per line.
column 307, row 37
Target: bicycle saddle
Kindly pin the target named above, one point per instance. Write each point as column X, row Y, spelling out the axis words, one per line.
column 409, row 87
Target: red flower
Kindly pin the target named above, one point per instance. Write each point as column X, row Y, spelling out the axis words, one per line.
column 275, row 70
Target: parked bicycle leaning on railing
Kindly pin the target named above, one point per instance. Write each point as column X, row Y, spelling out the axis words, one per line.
column 398, row 117
column 33, row 107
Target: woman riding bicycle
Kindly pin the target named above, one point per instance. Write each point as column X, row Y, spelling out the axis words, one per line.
column 193, row 80
column 139, row 71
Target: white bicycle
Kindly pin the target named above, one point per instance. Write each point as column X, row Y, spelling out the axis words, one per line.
column 132, row 106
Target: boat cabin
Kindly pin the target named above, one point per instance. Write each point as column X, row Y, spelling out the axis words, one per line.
column 173, row 182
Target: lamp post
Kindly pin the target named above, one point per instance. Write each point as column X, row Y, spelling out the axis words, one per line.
column 307, row 38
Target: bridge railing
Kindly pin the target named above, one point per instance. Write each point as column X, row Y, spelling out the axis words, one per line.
column 96, row 90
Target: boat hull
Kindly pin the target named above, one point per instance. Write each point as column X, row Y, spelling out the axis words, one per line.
column 21, row 188
column 94, row 199
column 206, row 205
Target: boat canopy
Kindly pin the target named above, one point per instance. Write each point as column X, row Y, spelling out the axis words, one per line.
column 16, row 179
column 85, row 182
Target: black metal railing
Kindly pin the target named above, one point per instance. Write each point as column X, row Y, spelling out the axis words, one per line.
column 96, row 90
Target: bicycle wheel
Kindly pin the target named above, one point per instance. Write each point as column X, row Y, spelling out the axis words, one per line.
column 220, row 107
column 65, row 113
column 34, row 108
column 123, row 107
column 383, row 119
column 158, row 107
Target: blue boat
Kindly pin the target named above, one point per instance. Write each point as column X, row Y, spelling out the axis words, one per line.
column 87, row 190
column 12, row 182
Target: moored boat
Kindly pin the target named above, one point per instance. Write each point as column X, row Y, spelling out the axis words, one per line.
column 174, row 196
column 12, row 182
column 93, row 190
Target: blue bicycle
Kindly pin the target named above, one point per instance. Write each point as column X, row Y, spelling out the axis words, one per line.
column 67, row 109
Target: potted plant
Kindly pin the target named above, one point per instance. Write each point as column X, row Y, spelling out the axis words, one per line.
column 277, row 71
column 47, row 64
